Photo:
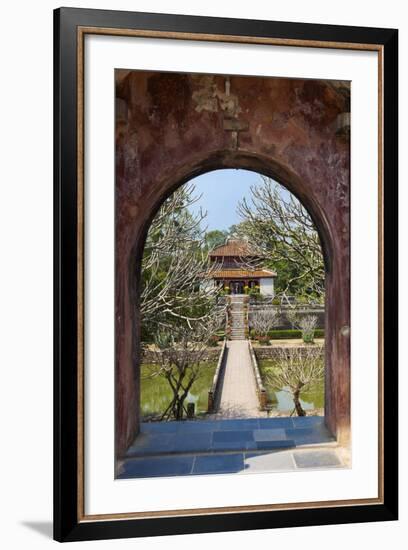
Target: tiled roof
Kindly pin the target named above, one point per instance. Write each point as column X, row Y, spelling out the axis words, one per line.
column 233, row 247
column 241, row 273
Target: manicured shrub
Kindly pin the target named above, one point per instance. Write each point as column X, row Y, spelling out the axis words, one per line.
column 292, row 333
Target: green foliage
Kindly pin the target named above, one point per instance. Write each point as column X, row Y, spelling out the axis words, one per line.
column 213, row 341
column 215, row 237
column 254, row 291
column 291, row 334
column 280, row 399
column 156, row 392
column 284, row 235
column 174, row 261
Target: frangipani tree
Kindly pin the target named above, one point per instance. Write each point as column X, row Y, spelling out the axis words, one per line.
column 180, row 358
column 264, row 319
column 296, row 370
column 174, row 262
column 283, row 233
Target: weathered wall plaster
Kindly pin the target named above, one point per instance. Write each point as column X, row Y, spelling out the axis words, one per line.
column 171, row 127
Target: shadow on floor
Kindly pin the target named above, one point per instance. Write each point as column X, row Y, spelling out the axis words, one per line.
column 229, row 446
column 44, row 528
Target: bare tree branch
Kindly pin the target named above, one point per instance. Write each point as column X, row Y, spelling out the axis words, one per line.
column 281, row 230
column 173, row 264
column 180, row 358
column 297, row 368
column 262, row 320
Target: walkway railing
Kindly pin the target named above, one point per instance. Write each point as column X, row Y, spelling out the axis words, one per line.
column 260, row 389
column 213, row 392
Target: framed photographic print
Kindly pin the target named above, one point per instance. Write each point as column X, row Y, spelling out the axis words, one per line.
column 225, row 274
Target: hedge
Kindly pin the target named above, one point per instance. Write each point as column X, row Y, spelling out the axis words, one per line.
column 289, row 334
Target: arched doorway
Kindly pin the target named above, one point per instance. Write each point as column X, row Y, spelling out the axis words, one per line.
column 147, row 174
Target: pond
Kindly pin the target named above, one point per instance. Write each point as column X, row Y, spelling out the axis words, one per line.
column 156, row 393
column 281, row 400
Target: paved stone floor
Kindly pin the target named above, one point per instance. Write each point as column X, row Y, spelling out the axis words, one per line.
column 230, row 446
column 238, row 390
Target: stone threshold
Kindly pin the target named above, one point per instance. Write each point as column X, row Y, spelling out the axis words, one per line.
column 294, row 460
column 226, row 436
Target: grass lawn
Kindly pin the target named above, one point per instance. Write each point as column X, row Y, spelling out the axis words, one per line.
column 281, row 400
column 156, row 393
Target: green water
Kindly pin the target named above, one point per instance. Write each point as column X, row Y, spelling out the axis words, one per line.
column 156, row 393
column 281, row 400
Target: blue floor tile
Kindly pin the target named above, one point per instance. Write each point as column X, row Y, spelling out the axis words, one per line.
column 238, row 424
column 234, row 445
column 193, row 442
column 279, row 444
column 159, row 427
column 196, row 426
column 218, row 464
column 276, row 422
column 153, row 444
column 304, row 436
column 308, row 421
column 232, row 436
column 269, row 435
column 157, row 466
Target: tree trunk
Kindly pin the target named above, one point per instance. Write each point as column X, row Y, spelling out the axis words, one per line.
column 296, row 399
column 178, row 410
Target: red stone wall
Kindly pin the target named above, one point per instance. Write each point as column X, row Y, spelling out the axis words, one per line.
column 171, row 127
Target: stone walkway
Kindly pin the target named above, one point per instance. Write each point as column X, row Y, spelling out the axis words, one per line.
column 231, row 446
column 238, row 390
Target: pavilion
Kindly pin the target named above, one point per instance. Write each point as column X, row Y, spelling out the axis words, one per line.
column 237, row 267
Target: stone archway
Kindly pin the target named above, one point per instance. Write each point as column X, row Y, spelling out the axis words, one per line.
column 171, row 127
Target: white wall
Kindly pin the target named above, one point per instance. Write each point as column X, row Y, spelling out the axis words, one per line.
column 266, row 287
column 26, row 274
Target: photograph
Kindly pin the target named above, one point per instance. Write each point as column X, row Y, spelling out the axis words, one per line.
column 234, row 300
column 225, row 265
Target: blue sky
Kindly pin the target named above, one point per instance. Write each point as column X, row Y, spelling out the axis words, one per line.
column 221, row 191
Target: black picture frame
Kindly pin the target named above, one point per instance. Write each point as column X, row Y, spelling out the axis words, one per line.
column 67, row 526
